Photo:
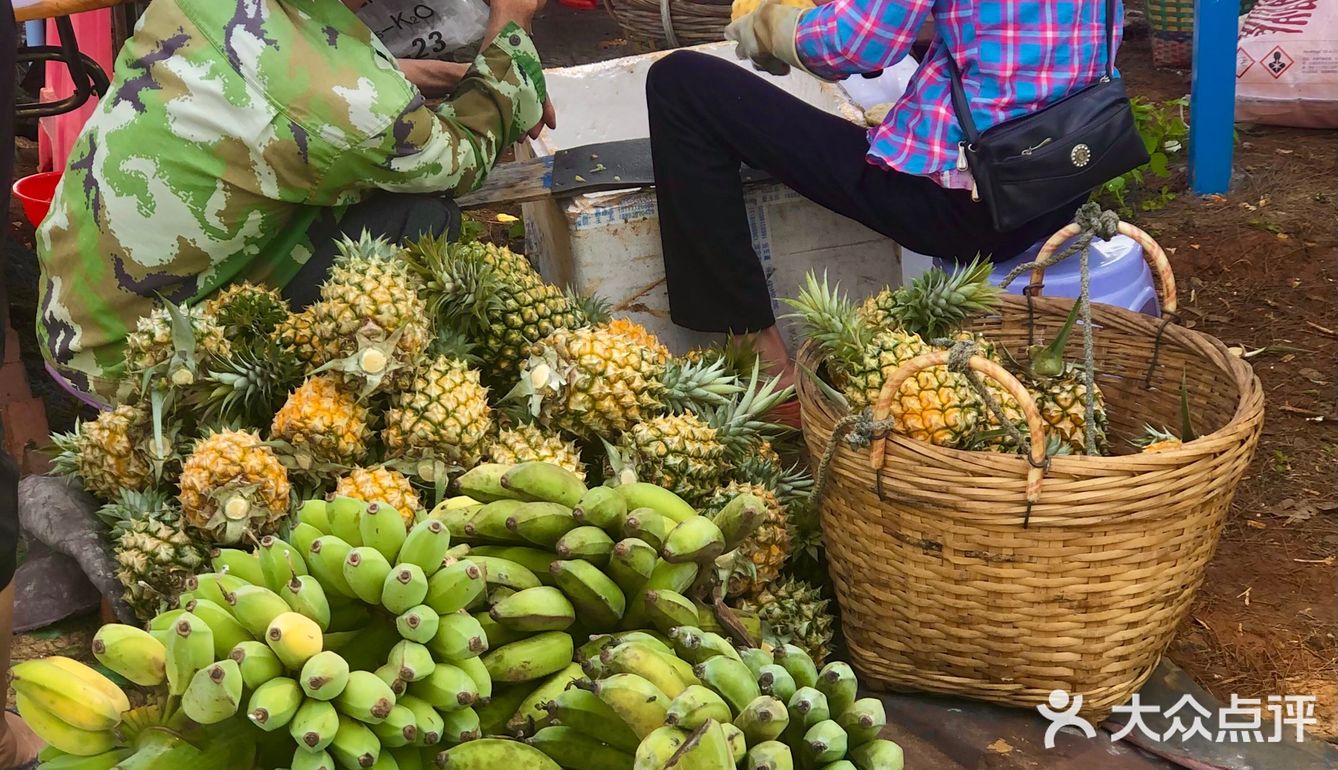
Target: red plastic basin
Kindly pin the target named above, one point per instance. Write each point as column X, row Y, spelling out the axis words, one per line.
column 35, row 193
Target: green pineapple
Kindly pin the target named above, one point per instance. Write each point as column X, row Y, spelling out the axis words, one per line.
column 794, row 613
column 154, row 556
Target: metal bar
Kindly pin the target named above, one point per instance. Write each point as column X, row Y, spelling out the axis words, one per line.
column 1212, row 101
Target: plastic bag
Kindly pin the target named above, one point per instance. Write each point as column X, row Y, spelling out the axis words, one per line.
column 1287, row 64
column 436, row 29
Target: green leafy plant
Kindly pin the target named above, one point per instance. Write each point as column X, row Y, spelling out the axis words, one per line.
column 1164, row 132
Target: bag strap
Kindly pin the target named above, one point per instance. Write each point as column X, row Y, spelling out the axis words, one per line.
column 959, row 101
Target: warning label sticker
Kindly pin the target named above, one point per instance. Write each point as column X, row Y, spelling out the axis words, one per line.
column 1244, row 62
column 1277, row 61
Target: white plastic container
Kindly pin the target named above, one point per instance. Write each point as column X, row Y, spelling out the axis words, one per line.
column 609, row 243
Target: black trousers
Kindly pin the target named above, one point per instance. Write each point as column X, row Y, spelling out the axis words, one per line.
column 394, row 216
column 9, row 470
column 708, row 116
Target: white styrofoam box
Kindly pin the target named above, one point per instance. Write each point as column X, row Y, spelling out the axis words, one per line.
column 609, row 243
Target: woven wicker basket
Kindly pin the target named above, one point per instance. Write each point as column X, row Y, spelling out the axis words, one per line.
column 942, row 587
column 671, row 23
column 1172, row 25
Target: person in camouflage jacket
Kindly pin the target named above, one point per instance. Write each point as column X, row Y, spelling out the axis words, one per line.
column 237, row 139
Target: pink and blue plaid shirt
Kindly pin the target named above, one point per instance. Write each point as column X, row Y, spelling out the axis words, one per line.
column 1016, row 56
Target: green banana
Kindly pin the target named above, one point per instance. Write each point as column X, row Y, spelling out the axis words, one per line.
column 160, row 627
column 495, row 753
column 390, row 674
column 350, row 616
column 460, row 725
column 294, row 638
column 370, row 647
column 399, row 729
column 325, row 559
column 228, row 633
column 426, row 546
column 382, row 528
column 739, row 518
column 234, row 561
column 666, row 576
column 214, row 693
column 454, row 587
column 413, row 660
column 598, row 601
column 755, row 658
column 214, row 586
column 696, row 539
column 274, row 703
column 824, row 742
column 648, row 525
column 504, row 572
column 706, row 749
column 365, row 698
column 456, row 553
column 535, row 609
column 314, row 725
column 366, row 569
column 405, row 586
column 489, row 523
column 315, row 513
column 837, row 681
column 542, row 524
column 354, row 745
column 589, row 543
column 532, row 713
column 190, row 647
column 418, row 624
column 132, row 653
column 255, row 607
column 345, row 517
column 601, row 507
column 633, row 658
column 863, row 720
column 324, row 675
column 545, row 482
column 407, row 758
column 447, row 688
column 696, row 646
column 279, row 561
column 305, row 596
column 648, row 638
column 769, row 755
column 497, row 633
column 776, row 681
column 763, row 719
column 668, row 610
column 477, row 672
column 641, row 705
column 631, row 563
column 798, row 663
column 428, row 721
column 531, row 658
column 694, row 705
column 878, row 755
column 459, row 636
column 499, row 709
column 104, row 761
column 657, row 747
column 583, row 710
column 730, row 679
column 257, row 662
column 311, row 760
column 807, row 707
column 484, row 483
column 532, row 559
column 738, row 743
column 575, row 750
column 640, row 494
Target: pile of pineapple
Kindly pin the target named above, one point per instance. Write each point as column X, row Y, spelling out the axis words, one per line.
column 415, row 365
column 513, row 633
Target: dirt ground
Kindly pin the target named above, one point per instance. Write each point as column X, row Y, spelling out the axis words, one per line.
column 1256, row 269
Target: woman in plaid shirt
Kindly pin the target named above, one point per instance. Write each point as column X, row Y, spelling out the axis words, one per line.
column 905, row 178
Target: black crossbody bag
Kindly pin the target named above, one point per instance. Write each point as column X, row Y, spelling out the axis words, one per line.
column 1030, row 166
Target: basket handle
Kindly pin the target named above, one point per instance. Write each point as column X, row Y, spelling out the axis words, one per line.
column 1152, row 252
column 1038, row 460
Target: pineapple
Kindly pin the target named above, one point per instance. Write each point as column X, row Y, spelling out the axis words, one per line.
column 233, row 485
column 153, row 555
column 153, row 343
column 108, row 454
column 642, row 336
column 795, row 613
column 935, row 304
column 934, row 405
column 1156, row 440
column 443, row 414
column 496, row 297
column 758, row 560
column 322, row 422
column 247, row 309
column 530, row 443
column 370, row 284
column 381, row 485
column 598, row 382
column 302, row 337
column 249, row 385
column 1060, row 391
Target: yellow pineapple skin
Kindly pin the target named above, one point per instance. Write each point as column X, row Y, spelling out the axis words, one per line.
column 325, row 420
column 742, row 8
column 302, row 336
column 444, row 412
column 1063, row 406
column 151, row 342
column 225, row 469
column 642, row 336
column 368, row 284
column 933, row 405
column 530, row 443
column 381, row 485
column 766, row 550
column 110, row 455
column 610, row 382
column 679, row 452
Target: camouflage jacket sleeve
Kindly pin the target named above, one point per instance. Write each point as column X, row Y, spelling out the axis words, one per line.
column 453, row 147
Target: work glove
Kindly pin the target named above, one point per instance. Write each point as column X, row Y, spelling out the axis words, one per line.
column 766, row 36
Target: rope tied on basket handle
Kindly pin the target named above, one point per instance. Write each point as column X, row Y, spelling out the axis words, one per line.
column 857, row 430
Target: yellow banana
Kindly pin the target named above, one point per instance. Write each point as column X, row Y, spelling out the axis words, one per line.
column 694, row 705
column 545, row 482
column 633, row 658
column 657, row 747
column 131, row 652
column 640, row 704
column 60, row 734
column 706, row 749
column 495, row 753
column 69, row 694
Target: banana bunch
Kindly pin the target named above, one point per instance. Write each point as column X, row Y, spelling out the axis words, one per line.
column 75, row 709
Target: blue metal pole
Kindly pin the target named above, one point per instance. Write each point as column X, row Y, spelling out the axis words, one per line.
column 1212, row 99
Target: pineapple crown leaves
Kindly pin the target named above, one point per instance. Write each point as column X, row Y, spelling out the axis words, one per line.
column 131, row 505
column 1152, row 435
column 935, row 304
column 366, row 247
column 65, row 451
column 1187, row 431
column 829, row 318
column 459, row 286
column 592, row 308
column 698, row 386
column 248, row 310
column 250, row 385
column 739, row 425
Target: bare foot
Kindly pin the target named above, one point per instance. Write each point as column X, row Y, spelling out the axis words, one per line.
column 18, row 744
